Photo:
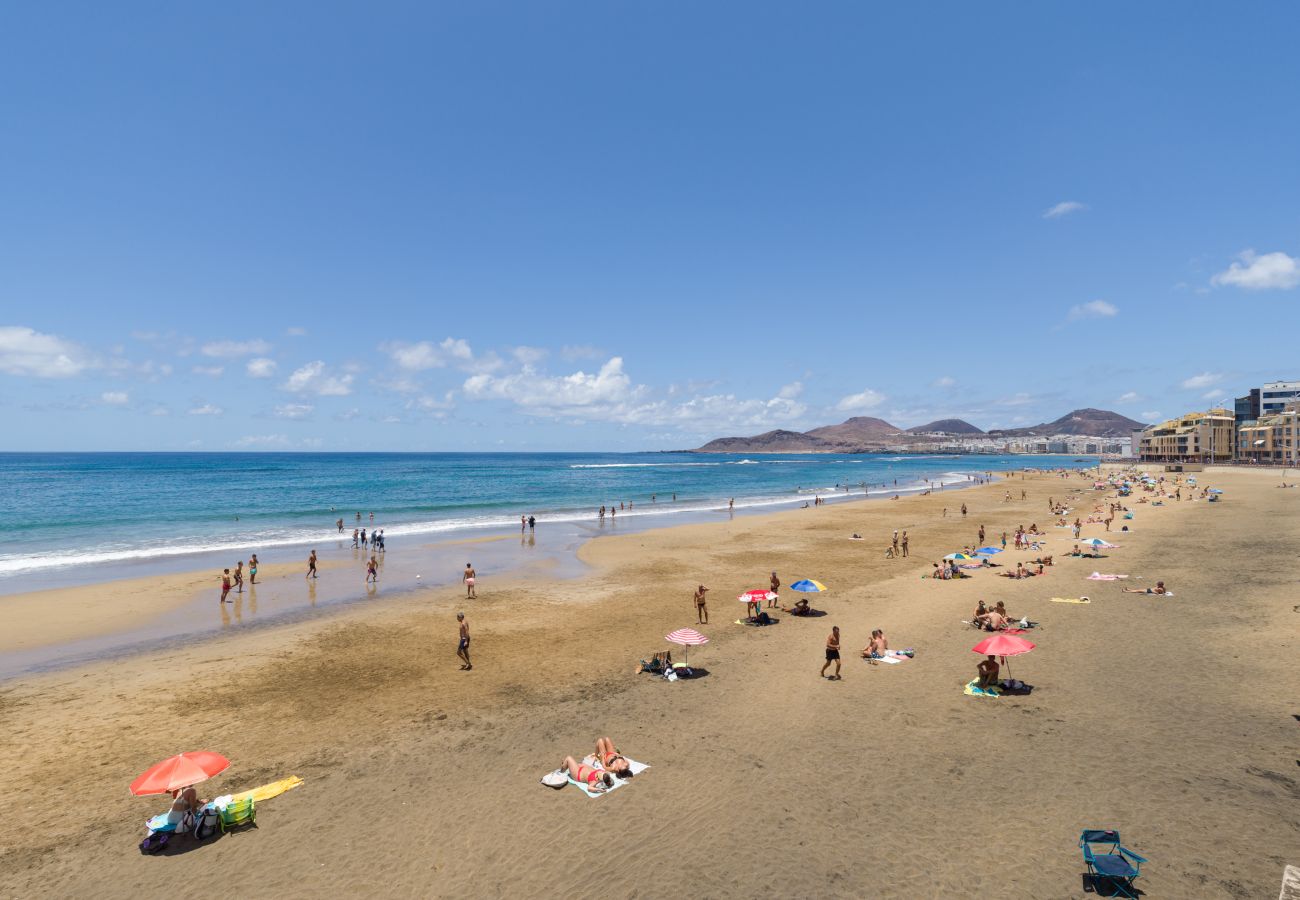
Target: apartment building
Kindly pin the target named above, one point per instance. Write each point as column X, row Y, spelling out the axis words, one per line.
column 1273, row 439
column 1202, row 437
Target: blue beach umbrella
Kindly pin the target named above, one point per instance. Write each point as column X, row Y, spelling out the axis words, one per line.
column 988, row 551
column 1215, row 491
column 808, row 586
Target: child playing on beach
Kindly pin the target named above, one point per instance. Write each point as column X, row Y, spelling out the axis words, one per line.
column 225, row 585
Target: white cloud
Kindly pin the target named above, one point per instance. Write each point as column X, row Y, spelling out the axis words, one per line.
column 313, row 379
column 1129, row 397
column 1204, row 380
column 529, row 356
column 206, row 409
column 860, row 402
column 429, row 403
column 211, row 371
column 1021, row 399
column 426, row 355
column 272, row 441
column 347, row 415
column 262, row 367
column 944, row 381
column 115, row 398
column 575, row 352
column 1093, row 309
column 24, row 351
column 1064, row 209
column 234, row 349
column 1151, row 415
column 564, row 394
column 1213, row 394
column 790, row 391
column 1272, row 271
column 294, row 410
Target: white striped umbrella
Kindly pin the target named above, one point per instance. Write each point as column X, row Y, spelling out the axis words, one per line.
column 687, row 638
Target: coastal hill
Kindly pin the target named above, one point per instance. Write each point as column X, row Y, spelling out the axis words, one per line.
column 863, row 434
column 1085, row 422
column 946, row 426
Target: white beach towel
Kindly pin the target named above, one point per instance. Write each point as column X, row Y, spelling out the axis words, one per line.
column 636, row 768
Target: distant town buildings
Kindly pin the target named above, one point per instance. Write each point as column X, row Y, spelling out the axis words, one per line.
column 1060, row 444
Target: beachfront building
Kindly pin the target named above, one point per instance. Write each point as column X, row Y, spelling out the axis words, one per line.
column 1202, row 437
column 1247, row 407
column 1274, row 396
column 1272, row 439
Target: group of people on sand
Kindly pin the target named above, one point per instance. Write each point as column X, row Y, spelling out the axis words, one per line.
column 995, row 619
column 236, row 579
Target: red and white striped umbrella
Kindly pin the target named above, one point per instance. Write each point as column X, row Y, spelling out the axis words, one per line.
column 756, row 596
column 687, row 637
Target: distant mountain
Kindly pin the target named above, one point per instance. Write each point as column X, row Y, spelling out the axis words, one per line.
column 1086, row 422
column 857, row 430
column 769, row 442
column 946, row 426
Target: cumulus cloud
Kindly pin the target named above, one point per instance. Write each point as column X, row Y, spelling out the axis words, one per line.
column 294, row 410
column 1094, row 309
column 610, row 395
column 235, row 349
column 1204, row 380
column 210, row 371
column 24, row 351
column 424, row 355
column 429, row 403
column 115, row 398
column 1128, row 397
column 1151, row 415
column 207, row 409
column 262, row 367
column 269, row 441
column 1254, row 272
column 314, row 379
column 860, row 402
column 1064, row 209
column 575, row 352
column 529, row 356
column 791, row 390
column 943, row 381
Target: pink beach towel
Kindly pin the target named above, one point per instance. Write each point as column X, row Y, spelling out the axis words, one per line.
column 1097, row 576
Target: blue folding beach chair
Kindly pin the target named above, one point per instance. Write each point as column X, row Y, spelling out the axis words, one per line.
column 1111, row 863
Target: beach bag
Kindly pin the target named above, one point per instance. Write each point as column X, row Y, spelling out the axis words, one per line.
column 155, row 843
column 207, row 824
column 764, row 619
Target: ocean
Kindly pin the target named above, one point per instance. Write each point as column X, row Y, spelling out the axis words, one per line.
column 92, row 516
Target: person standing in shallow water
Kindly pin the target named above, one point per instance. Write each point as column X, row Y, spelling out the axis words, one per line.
column 311, row 566
column 225, row 584
column 252, row 569
column 470, row 578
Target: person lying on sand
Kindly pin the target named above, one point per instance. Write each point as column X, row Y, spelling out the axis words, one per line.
column 1158, row 589
column 1043, row 561
column 596, row 779
column 609, row 757
column 800, row 608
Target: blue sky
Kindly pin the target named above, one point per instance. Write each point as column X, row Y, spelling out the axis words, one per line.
column 634, row 226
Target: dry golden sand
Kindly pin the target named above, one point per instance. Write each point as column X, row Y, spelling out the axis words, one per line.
column 1171, row 719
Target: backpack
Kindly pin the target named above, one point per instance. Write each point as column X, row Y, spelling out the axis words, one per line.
column 206, row 824
column 764, row 619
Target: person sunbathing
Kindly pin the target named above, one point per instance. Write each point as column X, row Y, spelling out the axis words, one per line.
column 609, row 757
column 1158, row 589
column 184, row 802
column 800, row 608
column 878, row 647
column 596, row 779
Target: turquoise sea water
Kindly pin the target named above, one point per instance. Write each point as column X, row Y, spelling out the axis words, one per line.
column 100, row 509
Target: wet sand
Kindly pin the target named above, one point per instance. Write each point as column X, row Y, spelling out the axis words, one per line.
column 1161, row 717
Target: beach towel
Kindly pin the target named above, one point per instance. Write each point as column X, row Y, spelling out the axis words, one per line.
column 266, row 791
column 1097, row 576
column 974, row 690
column 1069, row 599
column 636, row 768
column 889, row 658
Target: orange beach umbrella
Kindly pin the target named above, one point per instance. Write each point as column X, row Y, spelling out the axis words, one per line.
column 179, row 771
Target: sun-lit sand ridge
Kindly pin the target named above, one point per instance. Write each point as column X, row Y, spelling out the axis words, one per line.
column 1165, row 718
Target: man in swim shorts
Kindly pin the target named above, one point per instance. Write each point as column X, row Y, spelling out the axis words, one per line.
column 833, row 653
column 462, row 649
column 469, row 578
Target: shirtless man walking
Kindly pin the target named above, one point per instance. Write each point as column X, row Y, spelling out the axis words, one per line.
column 462, row 648
column 469, row 578
column 833, row 653
column 311, row 566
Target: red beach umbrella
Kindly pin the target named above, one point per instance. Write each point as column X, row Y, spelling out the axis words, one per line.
column 1003, row 645
column 179, row 771
column 756, row 596
column 687, row 638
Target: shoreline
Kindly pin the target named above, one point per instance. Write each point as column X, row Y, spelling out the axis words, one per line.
column 87, row 627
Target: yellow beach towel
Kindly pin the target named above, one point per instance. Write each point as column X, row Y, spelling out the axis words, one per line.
column 267, row 791
column 1069, row 599
column 974, row 690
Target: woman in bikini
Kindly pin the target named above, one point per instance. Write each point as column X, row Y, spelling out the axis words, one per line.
column 609, row 757
column 596, row 779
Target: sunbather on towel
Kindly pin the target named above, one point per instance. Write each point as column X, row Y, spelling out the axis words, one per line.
column 610, row 758
column 878, row 647
column 595, row 778
column 1158, row 589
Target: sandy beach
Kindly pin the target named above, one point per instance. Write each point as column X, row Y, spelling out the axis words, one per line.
column 1172, row 719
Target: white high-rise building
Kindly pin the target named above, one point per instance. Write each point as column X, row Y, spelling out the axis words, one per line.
column 1274, row 396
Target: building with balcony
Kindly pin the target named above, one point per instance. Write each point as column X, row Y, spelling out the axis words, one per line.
column 1272, row 439
column 1203, row 437
column 1274, row 397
